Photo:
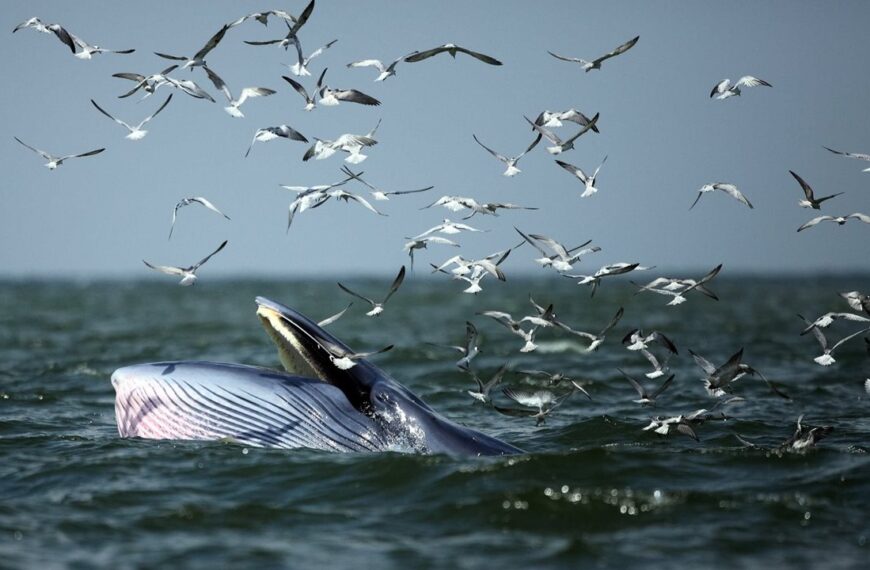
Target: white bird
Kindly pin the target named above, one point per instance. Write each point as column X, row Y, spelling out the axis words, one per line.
column 449, row 228
column 247, row 92
column 597, row 340
column 619, row 268
column 588, row 181
column 490, row 208
column 855, row 155
column 510, row 162
column 636, row 340
column 378, row 308
column 198, row 60
column 678, row 288
column 331, row 97
column 300, row 68
column 724, row 89
column 329, row 320
column 87, row 51
column 451, row 49
column 828, row 318
column 345, row 196
column 729, row 189
column 559, row 257
column 310, row 101
column 554, row 119
column 543, row 400
column 810, row 200
column 149, row 83
column 349, row 143
column 484, row 388
column 423, row 243
column 826, row 358
column 345, row 360
column 469, row 349
column 293, row 26
column 560, row 146
column 309, row 197
column 453, row 203
column 187, row 274
column 55, row 161
column 385, row 71
column 56, row 29
column 857, row 300
column 136, row 132
column 596, row 63
column 717, row 381
column 271, row 133
column 840, row 220
column 377, row 193
column 187, row 202
column 647, row 398
column 507, row 321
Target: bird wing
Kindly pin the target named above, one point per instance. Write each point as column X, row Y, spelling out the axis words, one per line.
column 548, row 134
column 363, row 202
column 720, row 87
column 612, row 322
column 354, row 96
column 595, row 174
column 219, row 83
column 63, row 36
column 858, row 155
column 319, row 51
column 848, row 338
column 634, row 383
column 663, row 387
column 815, row 222
column 212, row 43
column 619, row 50
column 297, row 86
column 303, row 17
column 155, row 113
column 496, row 378
column 250, row 92
column 575, row 170
column 859, row 216
column 357, row 295
column 471, row 336
column 44, row 154
column 165, row 269
column 89, row 153
column 651, row 357
column 490, row 151
column 397, row 282
column 583, row 130
column 749, row 81
column 209, row 256
column 531, row 242
column 732, row 191
column 531, row 146
column 400, row 192
column 421, row 55
column 477, row 55
column 703, row 363
column 119, row 121
column 335, row 317
column 571, row 59
column 368, row 63
column 203, row 201
column 808, row 191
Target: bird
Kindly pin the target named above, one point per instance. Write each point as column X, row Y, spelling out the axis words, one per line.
column 718, row 381
column 507, row 321
column 826, row 358
column 187, row 202
column 247, row 93
column 554, row 379
column 385, row 71
column 293, row 27
column 490, row 208
column 87, row 51
column 544, row 400
column 423, row 243
column 588, row 181
column 597, row 340
column 685, row 423
column 377, row 193
column 345, row 196
column 453, row 203
column 811, row 201
column 806, row 437
column 619, row 268
column 729, row 189
column 647, row 398
column 56, row 29
column 150, row 83
column 448, row 227
column 510, row 162
column 559, row 257
column 263, row 17
column 329, row 320
column 560, row 146
column 473, row 271
column 189, row 87
column 596, row 63
column 378, row 308
column 345, row 359
column 300, row 68
column 271, row 133
column 198, row 60
column 55, row 161
column 553, row 119
column 678, row 288
column 187, row 274
column 855, row 155
column 469, row 348
column 636, row 340
column 309, row 197
column 857, row 300
column 484, row 388
column 725, row 89
column 310, row 101
column 839, row 220
column 828, row 318
column 452, row 49
column 136, row 132
column 349, row 143
column 331, row 97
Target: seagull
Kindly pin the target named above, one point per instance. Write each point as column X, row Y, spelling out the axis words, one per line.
column 724, row 89
column 483, row 389
column 507, row 321
column 272, row 133
column 149, row 83
column 619, row 268
column 811, row 201
column 452, row 49
column 247, row 92
column 826, row 359
column 677, row 288
column 561, row 257
column 490, row 208
column 136, row 132
column 560, row 146
column 187, row 202
column 840, row 220
column 423, row 243
column 377, row 193
column 596, row 63
column 805, row 437
column 553, row 119
column 378, row 308
column 300, row 68
column 332, row 97
column 346, row 196
column 449, row 228
column 857, row 300
column 856, row 155
column 349, row 143
column 729, row 189
column 598, row 339
column 544, row 400
column 56, row 29
column 647, row 398
column 309, row 197
column 344, row 359
column 310, row 102
column 468, row 350
column 292, row 31
column 685, row 423
column 473, row 271
column 588, row 181
column 636, row 341
column 718, row 380
column 198, row 60
column 453, row 203
column 510, row 162
column 187, row 274
column 554, row 379
column 385, row 71
column 825, row 320
column 329, row 320
column 87, row 50
column 263, row 17
column 55, row 161
column 190, row 87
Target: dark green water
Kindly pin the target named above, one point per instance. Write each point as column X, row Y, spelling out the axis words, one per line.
column 593, row 491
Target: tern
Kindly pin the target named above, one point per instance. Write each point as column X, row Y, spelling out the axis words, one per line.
column 490, row 208
column 560, row 146
column 678, row 288
column 310, row 102
column 416, row 243
column 553, row 119
column 87, row 51
column 588, row 181
column 378, row 308
column 150, row 83
column 331, row 97
column 806, row 436
column 725, row 89
column 647, row 398
column 857, row 300
column 271, row 133
column 811, row 201
column 718, row 380
column 55, row 161
column 507, row 321
column 855, row 155
column 136, row 132
column 597, row 340
column 484, row 388
column 300, row 68
column 828, row 318
column 329, row 320
column 544, row 400
column 510, row 162
column 56, row 29
column 292, row 30
column 619, row 268
column 377, row 193
column 839, row 220
column 198, row 60
column 826, row 358
column 349, row 143
column 309, row 197
column 449, row 228
column 187, row 202
column 452, row 49
column 596, row 63
column 685, row 424
column 263, row 17
column 345, row 359
column 469, row 348
column 729, row 189
column 636, row 340
column 554, row 379
column 559, row 257
column 453, row 203
column 385, row 71
column 247, row 93
column 187, row 274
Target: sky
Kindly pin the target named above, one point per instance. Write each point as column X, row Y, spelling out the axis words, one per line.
column 663, row 136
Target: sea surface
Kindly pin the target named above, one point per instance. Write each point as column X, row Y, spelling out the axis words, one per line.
column 593, row 491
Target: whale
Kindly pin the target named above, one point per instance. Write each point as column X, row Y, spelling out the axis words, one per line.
column 311, row 404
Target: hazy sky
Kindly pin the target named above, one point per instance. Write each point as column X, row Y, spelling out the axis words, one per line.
column 663, row 135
